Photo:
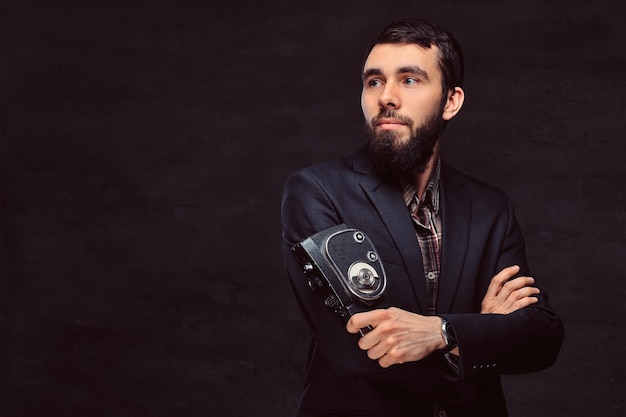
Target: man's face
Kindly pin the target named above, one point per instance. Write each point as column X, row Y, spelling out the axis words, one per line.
column 402, row 105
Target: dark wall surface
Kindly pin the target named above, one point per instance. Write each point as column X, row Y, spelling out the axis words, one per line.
column 143, row 149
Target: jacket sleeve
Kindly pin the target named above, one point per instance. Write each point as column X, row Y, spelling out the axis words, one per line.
column 526, row 340
column 306, row 210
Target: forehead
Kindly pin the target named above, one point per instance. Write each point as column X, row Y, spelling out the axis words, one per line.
column 390, row 57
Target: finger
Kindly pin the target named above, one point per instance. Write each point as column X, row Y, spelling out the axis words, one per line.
column 362, row 320
column 510, row 287
column 514, row 295
column 370, row 340
column 520, row 293
column 499, row 279
column 393, row 356
column 519, row 282
column 522, row 303
column 526, row 292
column 519, row 299
column 376, row 352
column 386, row 361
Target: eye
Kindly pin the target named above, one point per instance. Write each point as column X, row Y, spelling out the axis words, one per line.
column 374, row 82
column 411, row 81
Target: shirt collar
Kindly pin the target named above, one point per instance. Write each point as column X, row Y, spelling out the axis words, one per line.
column 431, row 193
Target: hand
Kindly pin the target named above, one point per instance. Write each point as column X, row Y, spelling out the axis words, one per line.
column 398, row 336
column 504, row 296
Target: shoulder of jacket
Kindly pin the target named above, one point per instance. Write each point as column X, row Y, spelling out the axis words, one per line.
column 333, row 167
column 471, row 184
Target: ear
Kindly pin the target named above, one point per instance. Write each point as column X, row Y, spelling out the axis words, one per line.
column 454, row 103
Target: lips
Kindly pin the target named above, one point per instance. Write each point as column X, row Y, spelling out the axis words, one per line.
column 389, row 124
column 386, row 121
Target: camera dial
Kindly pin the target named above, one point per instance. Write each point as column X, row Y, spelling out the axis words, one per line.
column 365, row 278
column 364, row 281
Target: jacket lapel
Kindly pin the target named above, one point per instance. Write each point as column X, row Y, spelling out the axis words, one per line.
column 386, row 196
column 456, row 216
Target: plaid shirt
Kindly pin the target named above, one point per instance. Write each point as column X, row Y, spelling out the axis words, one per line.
column 427, row 222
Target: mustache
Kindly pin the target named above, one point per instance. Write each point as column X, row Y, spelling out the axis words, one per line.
column 391, row 114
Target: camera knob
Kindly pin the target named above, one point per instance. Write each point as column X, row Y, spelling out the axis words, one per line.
column 372, row 256
column 307, row 267
column 315, row 283
column 366, row 278
column 359, row 237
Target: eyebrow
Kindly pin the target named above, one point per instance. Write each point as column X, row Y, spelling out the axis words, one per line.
column 414, row 69
column 411, row 69
column 369, row 72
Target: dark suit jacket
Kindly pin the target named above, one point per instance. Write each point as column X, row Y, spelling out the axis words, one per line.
column 480, row 237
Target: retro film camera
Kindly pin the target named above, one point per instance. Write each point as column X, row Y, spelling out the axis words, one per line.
column 343, row 267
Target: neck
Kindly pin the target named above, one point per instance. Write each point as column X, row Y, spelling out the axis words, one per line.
column 420, row 179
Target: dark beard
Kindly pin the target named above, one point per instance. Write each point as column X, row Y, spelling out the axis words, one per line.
column 403, row 158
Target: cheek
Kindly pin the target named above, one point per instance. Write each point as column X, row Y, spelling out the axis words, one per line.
column 369, row 110
column 363, row 107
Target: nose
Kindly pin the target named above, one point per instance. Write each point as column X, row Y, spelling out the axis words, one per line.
column 389, row 97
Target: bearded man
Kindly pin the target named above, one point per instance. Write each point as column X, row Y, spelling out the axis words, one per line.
column 461, row 308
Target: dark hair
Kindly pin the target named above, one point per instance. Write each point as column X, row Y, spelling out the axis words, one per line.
column 425, row 34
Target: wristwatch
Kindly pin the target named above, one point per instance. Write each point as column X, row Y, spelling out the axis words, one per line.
column 448, row 335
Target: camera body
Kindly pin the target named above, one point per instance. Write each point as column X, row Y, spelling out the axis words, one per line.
column 343, row 267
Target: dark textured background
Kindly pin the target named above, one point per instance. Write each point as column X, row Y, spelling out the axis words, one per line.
column 144, row 145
